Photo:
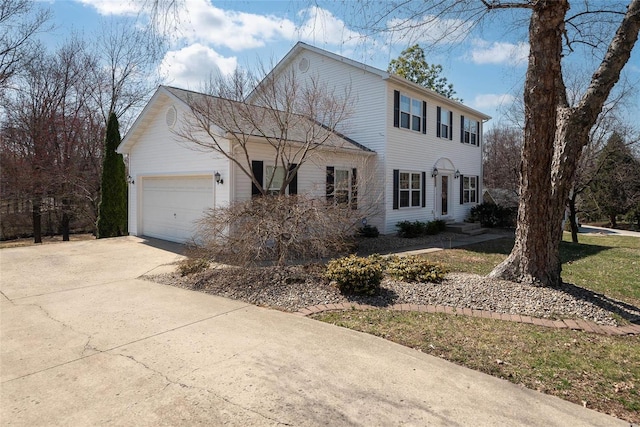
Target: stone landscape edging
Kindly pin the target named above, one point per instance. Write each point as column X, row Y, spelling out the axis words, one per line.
column 573, row 324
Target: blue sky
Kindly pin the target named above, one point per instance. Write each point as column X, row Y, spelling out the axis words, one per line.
column 487, row 67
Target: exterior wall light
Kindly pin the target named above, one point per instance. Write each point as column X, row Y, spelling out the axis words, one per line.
column 130, row 180
column 434, row 172
column 219, row 179
column 457, row 174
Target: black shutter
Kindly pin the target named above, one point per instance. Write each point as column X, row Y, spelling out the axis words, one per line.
column 329, row 191
column 462, row 129
column 396, row 185
column 354, row 188
column 461, row 189
column 396, row 109
column 257, row 168
column 439, row 110
column 424, row 189
column 293, row 185
column 478, row 133
column 424, row 117
column 451, row 125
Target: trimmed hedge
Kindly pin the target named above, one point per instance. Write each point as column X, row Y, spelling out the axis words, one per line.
column 415, row 268
column 362, row 276
column 356, row 275
column 414, row 229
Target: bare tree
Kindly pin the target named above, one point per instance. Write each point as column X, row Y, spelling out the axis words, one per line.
column 555, row 134
column 19, row 23
column 50, row 139
column 296, row 121
column 276, row 229
column 123, row 71
column 502, row 151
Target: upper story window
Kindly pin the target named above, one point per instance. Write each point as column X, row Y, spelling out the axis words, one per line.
column 409, row 113
column 469, row 131
column 444, row 123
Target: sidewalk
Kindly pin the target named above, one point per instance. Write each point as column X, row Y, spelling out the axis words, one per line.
column 592, row 229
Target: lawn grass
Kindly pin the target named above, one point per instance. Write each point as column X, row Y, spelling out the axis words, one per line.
column 598, row 371
column 608, row 265
column 601, row 372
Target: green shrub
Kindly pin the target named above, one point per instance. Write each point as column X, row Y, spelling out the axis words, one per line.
column 414, row 229
column 415, row 268
column 356, row 275
column 368, row 231
column 491, row 215
column 435, row 227
column 192, row 266
column 410, row 229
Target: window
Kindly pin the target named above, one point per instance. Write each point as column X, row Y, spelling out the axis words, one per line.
column 274, row 178
column 410, row 189
column 342, row 186
column 409, row 113
column 469, row 132
column 444, row 125
column 263, row 176
column 469, row 189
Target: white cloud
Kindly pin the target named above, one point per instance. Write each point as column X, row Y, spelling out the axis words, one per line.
column 430, row 29
column 191, row 66
column 114, row 7
column 208, row 24
column 201, row 22
column 492, row 100
column 499, row 53
column 322, row 27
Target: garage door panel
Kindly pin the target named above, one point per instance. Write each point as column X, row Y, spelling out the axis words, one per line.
column 172, row 205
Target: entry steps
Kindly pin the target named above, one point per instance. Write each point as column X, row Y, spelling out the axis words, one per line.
column 468, row 228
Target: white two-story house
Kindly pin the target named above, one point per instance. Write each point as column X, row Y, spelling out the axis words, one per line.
column 405, row 153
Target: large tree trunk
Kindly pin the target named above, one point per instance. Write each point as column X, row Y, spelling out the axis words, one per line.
column 535, row 257
column 549, row 163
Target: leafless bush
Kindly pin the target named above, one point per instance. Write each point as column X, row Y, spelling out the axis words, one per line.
column 276, row 229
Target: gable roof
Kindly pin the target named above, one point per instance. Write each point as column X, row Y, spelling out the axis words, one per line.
column 263, row 123
column 300, row 47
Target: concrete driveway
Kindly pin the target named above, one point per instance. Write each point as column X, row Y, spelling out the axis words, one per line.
column 86, row 343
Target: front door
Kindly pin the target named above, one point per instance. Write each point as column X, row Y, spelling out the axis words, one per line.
column 444, row 202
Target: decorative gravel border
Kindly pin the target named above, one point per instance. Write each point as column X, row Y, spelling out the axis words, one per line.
column 576, row 325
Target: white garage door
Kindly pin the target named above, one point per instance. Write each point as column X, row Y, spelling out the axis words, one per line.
column 171, row 205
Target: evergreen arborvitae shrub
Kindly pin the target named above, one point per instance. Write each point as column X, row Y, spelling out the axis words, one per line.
column 356, row 275
column 112, row 211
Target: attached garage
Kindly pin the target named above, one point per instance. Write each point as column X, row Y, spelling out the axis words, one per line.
column 171, row 205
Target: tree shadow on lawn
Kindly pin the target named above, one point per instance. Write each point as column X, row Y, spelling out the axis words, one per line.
column 625, row 310
column 569, row 252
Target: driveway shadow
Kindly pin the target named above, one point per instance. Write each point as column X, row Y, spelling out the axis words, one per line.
column 165, row 245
